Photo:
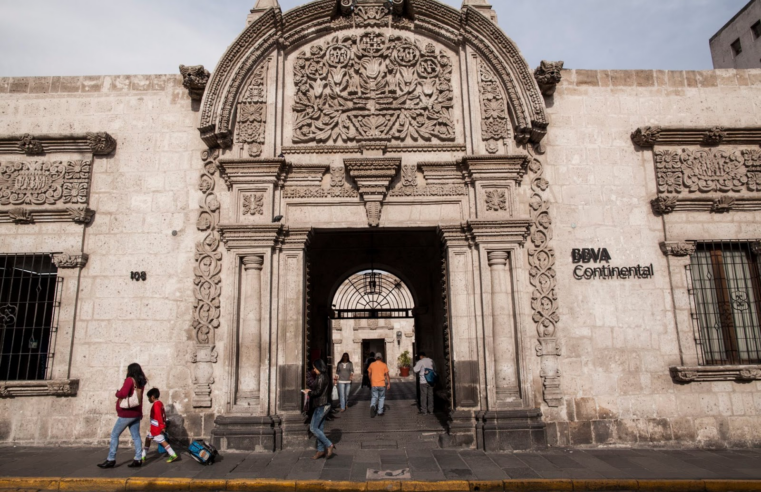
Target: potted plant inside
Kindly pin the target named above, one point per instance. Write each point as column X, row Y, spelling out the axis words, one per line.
column 404, row 363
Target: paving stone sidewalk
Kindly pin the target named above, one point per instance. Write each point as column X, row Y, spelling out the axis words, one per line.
column 423, row 464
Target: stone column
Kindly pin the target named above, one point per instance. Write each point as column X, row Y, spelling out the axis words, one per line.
column 249, row 331
column 503, row 327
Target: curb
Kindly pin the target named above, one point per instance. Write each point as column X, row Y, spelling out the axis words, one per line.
column 262, row 485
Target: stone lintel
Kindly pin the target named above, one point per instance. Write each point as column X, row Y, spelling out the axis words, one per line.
column 650, row 136
column 306, row 174
column 496, row 168
column 52, row 387
column 500, row 231
column 24, row 215
column 252, row 171
column 96, row 143
column 666, row 204
column 441, row 172
column 739, row 373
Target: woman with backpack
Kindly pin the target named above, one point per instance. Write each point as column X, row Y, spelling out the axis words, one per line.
column 129, row 408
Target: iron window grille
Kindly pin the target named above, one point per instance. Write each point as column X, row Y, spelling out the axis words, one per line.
column 373, row 294
column 29, row 301
column 726, row 296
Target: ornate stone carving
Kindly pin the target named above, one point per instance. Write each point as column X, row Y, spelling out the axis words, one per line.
column 81, row 215
column 64, row 260
column 714, row 136
column 379, row 15
column 409, row 175
column 30, row 146
column 373, row 210
column 101, row 143
column 252, row 113
column 496, row 200
column 337, row 176
column 663, row 204
column 542, row 276
column 708, row 170
column 372, row 86
column 316, row 192
column 678, row 248
column 722, row 205
column 253, row 204
column 207, row 289
column 373, row 177
column 44, row 183
column 494, row 122
column 548, row 75
column 51, row 387
column 743, row 373
column 194, row 79
column 20, row 215
column 646, row 136
column 430, row 190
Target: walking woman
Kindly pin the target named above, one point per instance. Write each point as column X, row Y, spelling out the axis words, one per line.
column 129, row 408
column 319, row 395
column 343, row 378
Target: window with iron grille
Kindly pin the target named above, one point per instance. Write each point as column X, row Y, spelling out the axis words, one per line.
column 756, row 28
column 726, row 291
column 29, row 301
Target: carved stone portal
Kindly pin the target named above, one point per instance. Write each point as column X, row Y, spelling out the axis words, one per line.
column 373, row 86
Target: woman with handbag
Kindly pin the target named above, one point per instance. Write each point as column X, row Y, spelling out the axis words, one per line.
column 319, row 395
column 129, row 408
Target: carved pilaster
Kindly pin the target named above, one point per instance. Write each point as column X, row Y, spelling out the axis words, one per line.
column 503, row 331
column 64, row 260
column 548, row 75
column 678, row 248
column 204, row 358
column 250, row 337
column 194, row 79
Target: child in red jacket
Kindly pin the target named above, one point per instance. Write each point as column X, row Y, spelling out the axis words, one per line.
column 158, row 425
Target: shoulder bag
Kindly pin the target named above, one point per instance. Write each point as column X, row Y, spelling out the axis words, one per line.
column 132, row 401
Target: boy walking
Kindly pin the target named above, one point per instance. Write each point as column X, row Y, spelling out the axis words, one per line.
column 380, row 382
column 158, row 425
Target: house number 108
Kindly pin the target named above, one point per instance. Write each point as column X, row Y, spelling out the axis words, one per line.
column 137, row 276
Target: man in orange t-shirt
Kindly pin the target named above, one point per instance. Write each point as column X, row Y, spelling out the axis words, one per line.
column 380, row 382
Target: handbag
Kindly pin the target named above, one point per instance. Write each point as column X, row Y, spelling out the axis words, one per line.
column 334, row 393
column 132, row 401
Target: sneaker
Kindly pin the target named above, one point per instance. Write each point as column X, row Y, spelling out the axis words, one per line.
column 174, row 457
column 373, row 412
column 143, row 460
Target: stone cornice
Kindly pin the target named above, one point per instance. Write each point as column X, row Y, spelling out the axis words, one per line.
column 247, row 171
column 100, row 143
column 500, row 231
column 740, row 373
column 306, row 174
column 244, row 236
column 666, row 204
column 24, row 215
column 496, row 168
column 52, row 387
column 650, row 136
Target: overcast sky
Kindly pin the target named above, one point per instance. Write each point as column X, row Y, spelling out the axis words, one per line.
column 94, row 37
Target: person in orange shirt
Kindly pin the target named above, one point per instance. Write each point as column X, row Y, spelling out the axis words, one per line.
column 380, row 382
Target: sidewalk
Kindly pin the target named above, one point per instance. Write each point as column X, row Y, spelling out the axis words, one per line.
column 403, row 465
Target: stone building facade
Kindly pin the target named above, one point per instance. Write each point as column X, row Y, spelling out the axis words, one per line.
column 580, row 247
column 738, row 43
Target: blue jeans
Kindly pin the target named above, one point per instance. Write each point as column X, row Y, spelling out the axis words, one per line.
column 318, row 422
column 378, row 398
column 134, row 429
column 343, row 393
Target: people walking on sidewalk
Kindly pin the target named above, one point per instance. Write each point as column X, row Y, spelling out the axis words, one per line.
column 423, row 365
column 319, row 396
column 158, row 425
column 129, row 409
column 343, row 378
column 365, row 377
column 380, row 382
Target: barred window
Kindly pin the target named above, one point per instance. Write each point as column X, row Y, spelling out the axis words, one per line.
column 29, row 301
column 726, row 291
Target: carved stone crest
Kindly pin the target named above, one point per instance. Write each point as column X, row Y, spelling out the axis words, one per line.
column 494, row 122
column 496, row 200
column 663, row 204
column 20, row 215
column 714, row 136
column 30, row 146
column 646, row 136
column 101, row 143
column 548, row 75
column 708, row 170
column 194, row 79
column 70, row 261
column 373, row 86
column 722, row 205
column 678, row 248
column 253, row 204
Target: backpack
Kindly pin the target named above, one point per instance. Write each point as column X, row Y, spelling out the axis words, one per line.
column 431, row 377
column 202, row 452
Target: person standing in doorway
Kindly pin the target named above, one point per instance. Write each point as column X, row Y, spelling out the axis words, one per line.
column 380, row 382
column 426, row 389
column 343, row 378
column 365, row 378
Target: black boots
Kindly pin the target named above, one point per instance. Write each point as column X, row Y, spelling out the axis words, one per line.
column 135, row 464
column 107, row 464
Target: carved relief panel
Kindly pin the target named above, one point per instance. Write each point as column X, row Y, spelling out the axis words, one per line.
column 252, row 110
column 254, row 204
column 494, row 117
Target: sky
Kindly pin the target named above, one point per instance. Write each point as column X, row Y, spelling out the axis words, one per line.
column 99, row 37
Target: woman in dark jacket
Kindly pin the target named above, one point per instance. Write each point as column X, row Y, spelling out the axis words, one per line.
column 128, row 417
column 319, row 395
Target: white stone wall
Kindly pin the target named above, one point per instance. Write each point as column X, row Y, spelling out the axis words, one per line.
column 619, row 337
column 141, row 194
